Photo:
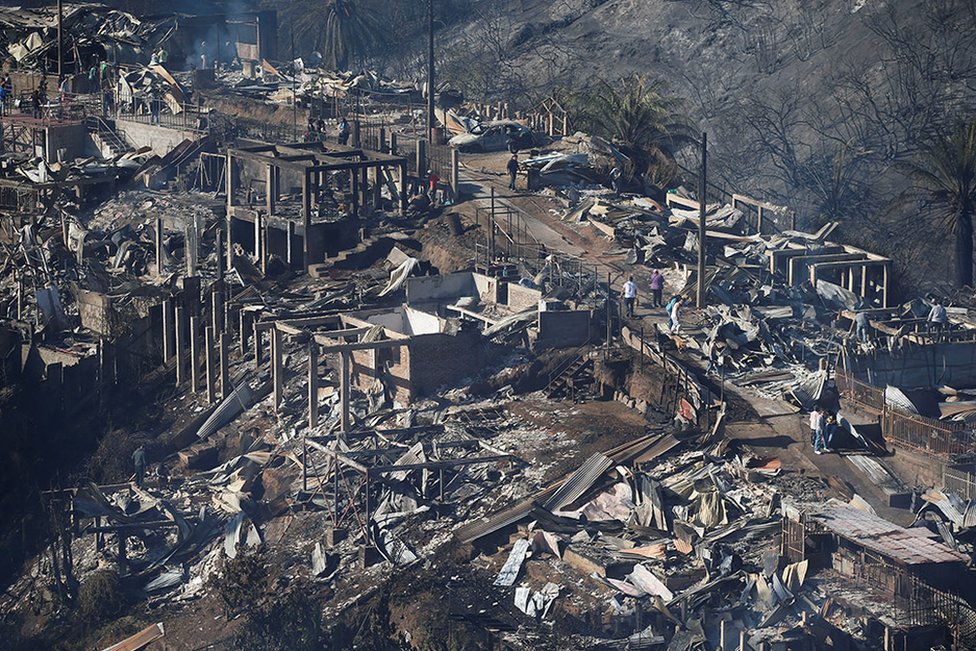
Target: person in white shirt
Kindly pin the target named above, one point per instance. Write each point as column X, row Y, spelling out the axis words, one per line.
column 938, row 318
column 630, row 295
column 676, row 316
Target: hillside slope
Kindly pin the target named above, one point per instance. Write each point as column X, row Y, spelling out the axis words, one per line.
column 811, row 104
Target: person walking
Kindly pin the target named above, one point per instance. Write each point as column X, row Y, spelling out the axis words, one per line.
column 630, row 295
column 668, row 308
column 513, row 167
column 139, row 461
column 676, row 315
column 343, row 137
column 657, row 287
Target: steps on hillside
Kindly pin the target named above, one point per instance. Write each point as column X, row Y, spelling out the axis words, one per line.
column 576, row 381
column 108, row 141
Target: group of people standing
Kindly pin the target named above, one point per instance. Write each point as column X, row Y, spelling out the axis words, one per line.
column 673, row 307
column 823, row 430
column 315, row 131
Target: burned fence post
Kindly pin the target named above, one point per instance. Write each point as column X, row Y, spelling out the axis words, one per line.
column 344, row 391
column 180, row 323
column 168, row 330
column 313, row 384
column 256, row 342
column 421, row 158
column 211, row 366
column 217, row 310
column 159, row 246
column 242, row 330
column 194, row 354
column 277, row 367
column 224, row 374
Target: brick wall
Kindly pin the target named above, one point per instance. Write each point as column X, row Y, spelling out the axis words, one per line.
column 522, row 298
column 438, row 359
column 563, row 328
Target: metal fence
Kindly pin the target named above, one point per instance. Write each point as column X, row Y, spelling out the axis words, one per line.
column 868, row 397
column 936, row 437
column 507, row 239
column 188, row 117
column 929, row 435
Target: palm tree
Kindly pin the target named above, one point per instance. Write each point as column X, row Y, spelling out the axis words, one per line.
column 350, row 31
column 945, row 178
column 642, row 113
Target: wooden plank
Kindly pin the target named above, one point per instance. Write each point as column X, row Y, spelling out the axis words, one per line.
column 140, row 640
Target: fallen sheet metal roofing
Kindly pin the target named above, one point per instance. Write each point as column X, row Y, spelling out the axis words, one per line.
column 579, row 482
column 905, row 546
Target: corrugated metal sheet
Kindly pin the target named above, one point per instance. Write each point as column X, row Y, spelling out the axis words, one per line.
column 638, row 450
column 905, row 546
column 579, row 482
column 492, row 523
column 895, row 397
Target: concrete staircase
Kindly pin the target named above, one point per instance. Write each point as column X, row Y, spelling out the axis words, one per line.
column 574, row 380
column 108, row 141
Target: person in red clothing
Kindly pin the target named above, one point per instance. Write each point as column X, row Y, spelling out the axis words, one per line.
column 432, row 182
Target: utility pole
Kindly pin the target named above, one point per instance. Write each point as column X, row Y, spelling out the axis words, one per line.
column 294, row 91
column 60, row 42
column 701, row 222
column 430, row 71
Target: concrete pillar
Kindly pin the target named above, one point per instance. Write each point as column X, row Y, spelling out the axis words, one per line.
column 217, row 310
column 168, row 330
column 884, row 287
column 265, row 246
column 224, row 365
column 219, row 243
column 194, row 354
column 307, row 219
column 277, row 367
column 159, row 246
column 313, row 384
column 243, row 329
column 354, row 176
column 211, row 366
column 180, row 324
column 256, row 342
column 190, row 250
column 269, row 179
column 258, row 234
column 743, row 646
column 290, row 236
column 344, row 389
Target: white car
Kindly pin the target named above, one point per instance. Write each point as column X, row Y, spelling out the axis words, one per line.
column 494, row 136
